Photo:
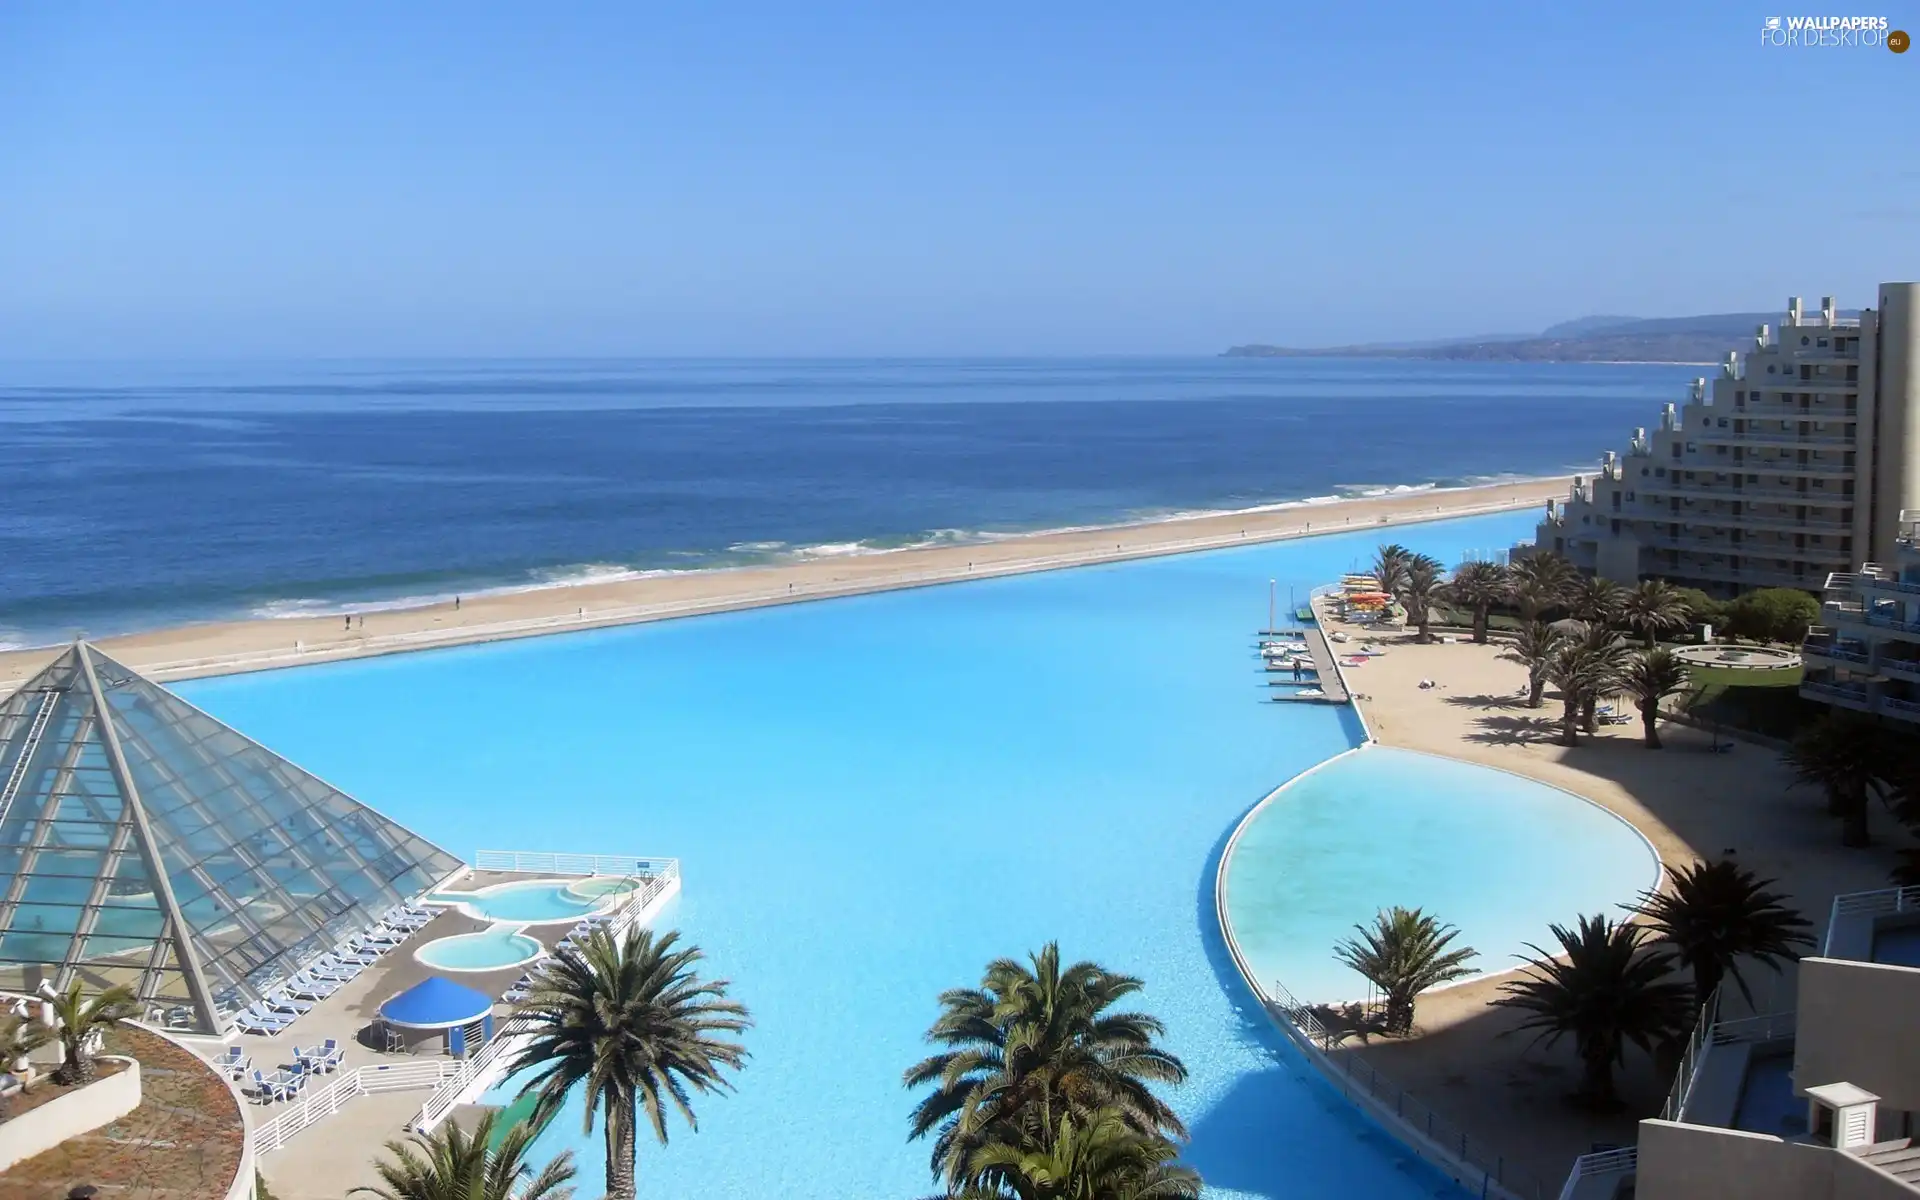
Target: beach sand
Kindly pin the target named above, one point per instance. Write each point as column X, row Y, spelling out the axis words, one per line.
column 223, row 648
column 1470, row 1061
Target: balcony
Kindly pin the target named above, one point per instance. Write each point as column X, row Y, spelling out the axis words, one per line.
column 1898, row 668
column 1854, row 654
column 1810, row 441
column 1899, row 709
column 1875, row 578
column 1850, row 696
column 1860, row 919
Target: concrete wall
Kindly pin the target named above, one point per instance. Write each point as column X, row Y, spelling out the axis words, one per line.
column 1896, row 478
column 1694, row 1162
column 1856, row 1026
column 1855, row 1180
column 41, row 1129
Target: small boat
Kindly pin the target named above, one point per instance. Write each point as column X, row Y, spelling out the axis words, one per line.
column 1303, row 613
column 1354, row 660
column 1338, row 636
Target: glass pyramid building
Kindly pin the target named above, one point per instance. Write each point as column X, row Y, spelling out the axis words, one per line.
column 144, row 843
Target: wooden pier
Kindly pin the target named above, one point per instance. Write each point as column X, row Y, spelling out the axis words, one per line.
column 1325, row 675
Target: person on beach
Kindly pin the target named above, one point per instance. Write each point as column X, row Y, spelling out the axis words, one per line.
column 456, row 604
column 349, row 624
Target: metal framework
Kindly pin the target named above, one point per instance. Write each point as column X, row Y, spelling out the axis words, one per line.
column 145, row 844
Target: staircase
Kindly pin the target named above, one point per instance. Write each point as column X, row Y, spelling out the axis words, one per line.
column 1899, row 1159
column 49, row 700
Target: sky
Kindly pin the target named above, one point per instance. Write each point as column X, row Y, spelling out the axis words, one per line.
column 208, row 181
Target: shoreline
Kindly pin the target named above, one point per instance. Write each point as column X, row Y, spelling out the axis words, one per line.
column 232, row 647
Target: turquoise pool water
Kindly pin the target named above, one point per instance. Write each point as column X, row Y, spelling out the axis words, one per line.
column 488, row 950
column 534, row 902
column 1495, row 854
column 873, row 797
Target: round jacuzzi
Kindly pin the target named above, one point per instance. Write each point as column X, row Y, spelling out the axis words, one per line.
column 489, row 950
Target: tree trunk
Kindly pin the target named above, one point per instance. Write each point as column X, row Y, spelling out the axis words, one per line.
column 1538, row 683
column 1706, row 979
column 1597, row 1086
column 1480, row 625
column 1853, row 827
column 1589, row 713
column 1570, row 722
column 620, row 1153
column 1650, row 717
column 1651, row 644
column 1399, row 1013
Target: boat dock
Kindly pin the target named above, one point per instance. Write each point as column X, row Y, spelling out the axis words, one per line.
column 1328, row 687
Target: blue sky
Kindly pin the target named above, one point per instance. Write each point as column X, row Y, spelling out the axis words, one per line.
column 429, row 179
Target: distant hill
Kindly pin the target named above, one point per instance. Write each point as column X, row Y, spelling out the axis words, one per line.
column 1702, row 339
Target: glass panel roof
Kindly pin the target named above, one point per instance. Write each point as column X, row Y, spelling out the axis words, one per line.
column 143, row 842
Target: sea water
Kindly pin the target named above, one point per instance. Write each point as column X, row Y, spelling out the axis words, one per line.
column 873, row 797
column 138, row 495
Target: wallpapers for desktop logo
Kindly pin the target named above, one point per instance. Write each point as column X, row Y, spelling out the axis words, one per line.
column 1832, row 32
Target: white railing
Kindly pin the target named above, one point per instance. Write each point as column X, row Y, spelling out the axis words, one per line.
column 316, row 1105
column 1880, row 903
column 626, row 614
column 1606, row 1162
column 1353, row 1074
column 542, row 863
column 1683, row 1079
column 478, row 1072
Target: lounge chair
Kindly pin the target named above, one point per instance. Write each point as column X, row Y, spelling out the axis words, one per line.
column 257, row 1020
column 280, row 1002
column 312, row 989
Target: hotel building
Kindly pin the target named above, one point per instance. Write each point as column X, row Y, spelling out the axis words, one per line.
column 1791, row 466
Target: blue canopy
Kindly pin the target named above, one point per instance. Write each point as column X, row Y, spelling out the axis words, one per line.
column 436, row 1003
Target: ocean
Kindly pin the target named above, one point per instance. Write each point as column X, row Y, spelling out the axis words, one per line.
column 143, row 495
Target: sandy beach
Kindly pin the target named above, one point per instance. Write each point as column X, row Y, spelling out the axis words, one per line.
column 1469, row 1060
column 215, row 649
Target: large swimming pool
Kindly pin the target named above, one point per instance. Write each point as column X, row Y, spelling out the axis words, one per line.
column 873, row 797
column 1484, row 850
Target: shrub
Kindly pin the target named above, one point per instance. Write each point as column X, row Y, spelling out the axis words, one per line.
column 1773, row 615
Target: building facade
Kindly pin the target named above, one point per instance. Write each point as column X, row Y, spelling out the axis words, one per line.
column 1790, row 467
column 1822, row 1100
column 1865, row 653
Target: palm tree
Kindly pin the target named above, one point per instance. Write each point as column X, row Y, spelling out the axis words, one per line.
column 1651, row 677
column 633, row 1022
column 1028, row 1041
column 1404, row 954
column 1598, row 601
column 1419, row 587
column 1096, row 1157
column 1584, row 669
column 19, row 1037
column 81, row 1020
column 1715, row 915
column 1653, row 608
column 451, row 1164
column 1534, row 649
column 1541, row 581
column 1845, row 756
column 1390, row 567
column 1477, row 587
column 1604, row 992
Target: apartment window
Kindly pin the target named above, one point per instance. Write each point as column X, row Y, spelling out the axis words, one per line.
column 1753, row 479
column 1853, row 374
column 1643, row 472
column 1723, row 422
column 1691, row 448
column 1822, row 343
column 1660, row 471
column 1817, row 539
column 1676, row 449
column 1739, row 397
column 1770, row 368
column 1719, row 449
column 1803, row 339
column 1630, row 494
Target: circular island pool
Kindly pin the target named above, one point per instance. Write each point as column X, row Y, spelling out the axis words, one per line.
column 1496, row 854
